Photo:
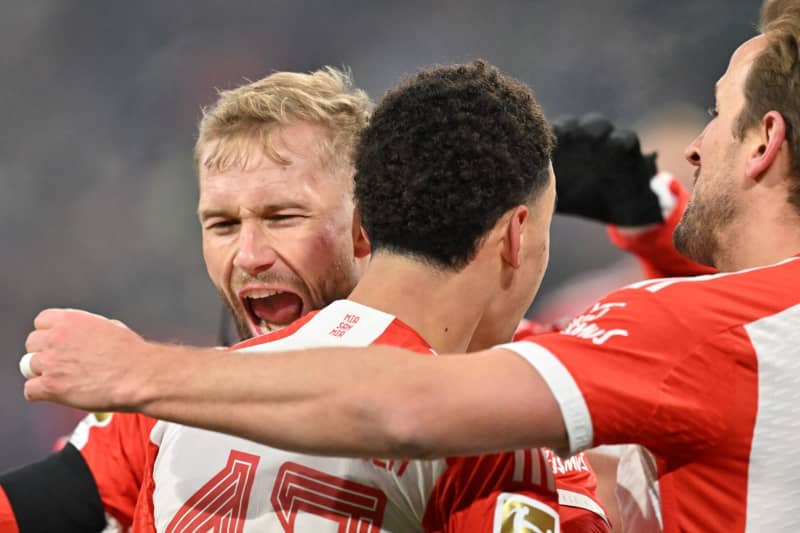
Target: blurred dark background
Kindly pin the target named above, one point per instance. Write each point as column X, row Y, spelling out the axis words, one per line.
column 99, row 103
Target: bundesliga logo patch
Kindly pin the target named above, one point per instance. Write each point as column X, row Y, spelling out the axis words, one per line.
column 515, row 513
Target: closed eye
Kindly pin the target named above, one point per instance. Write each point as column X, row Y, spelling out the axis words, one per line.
column 286, row 219
column 221, row 226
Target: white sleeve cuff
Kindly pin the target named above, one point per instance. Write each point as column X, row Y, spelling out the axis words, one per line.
column 660, row 185
column 574, row 411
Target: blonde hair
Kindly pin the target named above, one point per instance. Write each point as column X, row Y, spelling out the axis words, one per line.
column 772, row 10
column 251, row 112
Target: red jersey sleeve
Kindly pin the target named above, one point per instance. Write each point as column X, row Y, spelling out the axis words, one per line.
column 503, row 492
column 619, row 378
column 8, row 522
column 114, row 448
column 654, row 248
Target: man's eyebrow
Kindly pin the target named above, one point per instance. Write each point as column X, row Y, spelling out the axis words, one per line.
column 273, row 207
column 210, row 212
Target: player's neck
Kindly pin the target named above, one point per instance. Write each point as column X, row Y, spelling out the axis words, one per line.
column 444, row 308
column 767, row 238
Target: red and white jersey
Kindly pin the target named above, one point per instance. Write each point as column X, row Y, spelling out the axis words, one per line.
column 119, row 453
column 155, row 476
column 704, row 372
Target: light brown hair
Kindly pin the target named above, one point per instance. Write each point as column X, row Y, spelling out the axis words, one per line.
column 249, row 114
column 771, row 10
column 773, row 84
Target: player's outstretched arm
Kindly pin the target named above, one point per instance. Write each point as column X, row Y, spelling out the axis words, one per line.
column 379, row 401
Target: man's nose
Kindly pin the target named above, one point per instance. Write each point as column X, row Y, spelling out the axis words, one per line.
column 256, row 252
column 692, row 152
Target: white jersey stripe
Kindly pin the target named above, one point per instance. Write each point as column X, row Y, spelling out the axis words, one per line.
column 655, row 285
column 577, row 420
column 576, row 499
column 535, row 467
column 519, row 465
column 548, row 471
column 342, row 323
column 772, row 491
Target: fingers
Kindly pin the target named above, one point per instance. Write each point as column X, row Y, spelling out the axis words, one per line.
column 50, row 317
column 626, row 140
column 32, row 364
column 650, row 163
column 592, row 127
column 47, row 318
column 35, row 390
column 564, row 126
column 25, row 366
column 35, row 386
column 36, row 341
column 595, row 126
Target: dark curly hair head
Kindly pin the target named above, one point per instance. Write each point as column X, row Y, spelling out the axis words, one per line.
column 445, row 155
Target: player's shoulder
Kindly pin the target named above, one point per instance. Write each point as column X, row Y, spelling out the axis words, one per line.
column 273, row 336
column 111, row 427
column 690, row 309
column 401, row 335
column 785, row 270
column 743, row 295
column 342, row 323
column 686, row 311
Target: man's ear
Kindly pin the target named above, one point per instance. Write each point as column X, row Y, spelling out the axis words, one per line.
column 771, row 136
column 361, row 245
column 513, row 235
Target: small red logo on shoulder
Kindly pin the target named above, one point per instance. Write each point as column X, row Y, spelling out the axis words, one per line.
column 345, row 325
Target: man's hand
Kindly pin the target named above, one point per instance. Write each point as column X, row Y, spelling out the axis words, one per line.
column 84, row 360
column 601, row 173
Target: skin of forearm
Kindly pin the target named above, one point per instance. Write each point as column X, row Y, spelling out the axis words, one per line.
column 376, row 402
column 299, row 400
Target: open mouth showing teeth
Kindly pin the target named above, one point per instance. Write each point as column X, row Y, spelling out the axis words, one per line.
column 270, row 309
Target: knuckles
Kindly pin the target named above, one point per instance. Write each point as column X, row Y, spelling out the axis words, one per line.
column 52, row 386
column 35, row 341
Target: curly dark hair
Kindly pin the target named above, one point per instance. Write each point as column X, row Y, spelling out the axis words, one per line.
column 447, row 152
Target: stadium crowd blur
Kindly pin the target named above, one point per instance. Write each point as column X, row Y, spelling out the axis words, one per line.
column 100, row 103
